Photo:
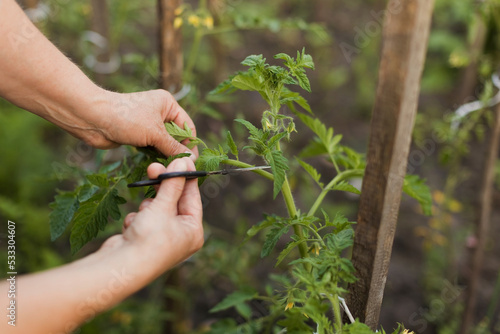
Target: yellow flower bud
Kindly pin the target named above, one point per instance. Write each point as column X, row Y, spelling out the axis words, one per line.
column 289, row 306
column 209, row 22
column 194, row 20
column 177, row 22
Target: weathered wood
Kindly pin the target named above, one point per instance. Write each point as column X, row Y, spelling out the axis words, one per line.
column 100, row 25
column 171, row 60
column 405, row 35
column 483, row 224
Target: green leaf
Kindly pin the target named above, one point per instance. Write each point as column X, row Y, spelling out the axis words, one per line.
column 272, row 238
column 345, row 186
column 357, row 328
column 232, row 145
column 251, row 128
column 64, row 207
column 171, row 158
column 210, row 159
column 341, row 240
column 415, row 187
column 289, row 247
column 100, row 180
column 311, row 171
column 92, row 216
column 254, row 61
column 302, row 79
column 181, row 134
column 276, row 139
column 279, row 166
column 248, row 81
column 267, row 222
column 233, row 299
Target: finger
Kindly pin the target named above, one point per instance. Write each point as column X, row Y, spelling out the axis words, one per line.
column 170, row 190
column 169, row 146
column 145, row 203
column 190, row 201
column 129, row 220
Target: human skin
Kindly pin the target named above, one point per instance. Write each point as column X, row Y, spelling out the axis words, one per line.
column 37, row 77
column 165, row 231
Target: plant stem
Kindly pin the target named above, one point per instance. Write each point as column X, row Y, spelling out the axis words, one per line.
column 241, row 164
column 336, row 311
column 193, row 55
column 341, row 176
column 287, row 195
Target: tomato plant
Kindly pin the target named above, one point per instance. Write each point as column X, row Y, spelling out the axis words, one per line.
column 319, row 275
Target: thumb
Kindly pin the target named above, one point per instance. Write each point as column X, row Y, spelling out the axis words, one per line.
column 168, row 146
column 170, row 190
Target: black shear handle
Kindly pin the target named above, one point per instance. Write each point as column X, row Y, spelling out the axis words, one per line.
column 189, row 175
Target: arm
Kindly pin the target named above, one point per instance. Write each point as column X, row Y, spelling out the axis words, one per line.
column 37, row 77
column 164, row 232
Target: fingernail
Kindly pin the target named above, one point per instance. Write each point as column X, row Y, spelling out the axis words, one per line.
column 179, row 165
column 191, row 155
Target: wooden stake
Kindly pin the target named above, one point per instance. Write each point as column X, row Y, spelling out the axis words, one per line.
column 406, row 31
column 171, row 61
column 483, row 225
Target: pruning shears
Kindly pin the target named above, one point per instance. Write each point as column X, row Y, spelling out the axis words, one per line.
column 189, row 175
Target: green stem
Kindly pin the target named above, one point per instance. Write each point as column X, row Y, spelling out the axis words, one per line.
column 287, row 195
column 193, row 54
column 340, row 177
column 336, row 311
column 241, row 164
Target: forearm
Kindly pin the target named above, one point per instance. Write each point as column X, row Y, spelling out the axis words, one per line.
column 36, row 76
column 59, row 300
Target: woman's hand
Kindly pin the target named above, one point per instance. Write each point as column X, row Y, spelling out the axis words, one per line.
column 135, row 119
column 167, row 229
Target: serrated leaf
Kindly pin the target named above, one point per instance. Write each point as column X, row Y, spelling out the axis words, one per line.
column 254, row 131
column 92, row 216
column 283, row 56
column 84, row 192
column 341, row 240
column 272, row 238
column 276, row 139
column 231, row 144
column 267, row 222
column 168, row 161
column 64, row 207
column 181, row 134
column 248, row 81
column 289, row 247
column 311, row 171
column 254, row 61
column 233, row 299
column 345, row 186
column 415, row 187
column 100, row 180
column 279, row 166
column 302, row 79
column 210, row 159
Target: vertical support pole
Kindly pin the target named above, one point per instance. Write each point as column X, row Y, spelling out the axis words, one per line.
column 483, row 224
column 405, row 34
column 100, row 25
column 171, row 61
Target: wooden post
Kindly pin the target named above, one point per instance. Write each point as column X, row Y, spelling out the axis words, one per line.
column 483, row 224
column 171, row 61
column 405, row 34
column 100, row 25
